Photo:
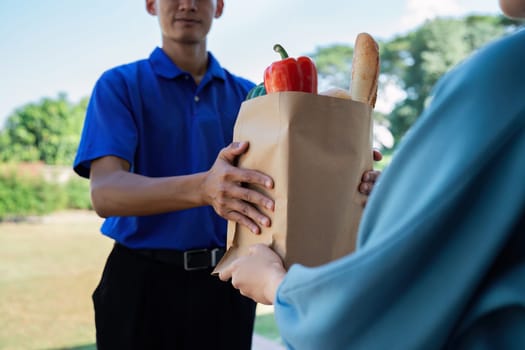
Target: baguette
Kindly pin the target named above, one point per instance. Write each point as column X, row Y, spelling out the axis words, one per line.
column 365, row 70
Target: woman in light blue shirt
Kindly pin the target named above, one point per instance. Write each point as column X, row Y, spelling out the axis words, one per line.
column 440, row 262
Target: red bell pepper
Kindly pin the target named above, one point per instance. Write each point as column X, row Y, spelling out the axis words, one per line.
column 290, row 74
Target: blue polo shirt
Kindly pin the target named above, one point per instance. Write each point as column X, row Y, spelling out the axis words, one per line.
column 152, row 114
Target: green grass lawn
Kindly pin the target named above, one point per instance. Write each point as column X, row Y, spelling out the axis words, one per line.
column 48, row 271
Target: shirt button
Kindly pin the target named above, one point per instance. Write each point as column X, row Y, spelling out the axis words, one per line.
column 186, row 77
column 196, row 98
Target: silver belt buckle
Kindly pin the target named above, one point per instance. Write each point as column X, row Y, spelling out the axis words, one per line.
column 187, row 254
column 214, row 258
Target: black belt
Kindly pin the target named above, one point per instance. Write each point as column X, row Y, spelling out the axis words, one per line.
column 190, row 260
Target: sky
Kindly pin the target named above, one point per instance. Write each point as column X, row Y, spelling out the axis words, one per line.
column 49, row 47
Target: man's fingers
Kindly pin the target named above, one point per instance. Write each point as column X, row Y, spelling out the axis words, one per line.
column 365, row 188
column 233, row 201
column 234, row 150
column 244, row 220
column 251, row 213
column 253, row 177
column 238, row 204
column 253, row 197
column 377, row 155
column 368, row 180
column 370, row 176
column 243, row 175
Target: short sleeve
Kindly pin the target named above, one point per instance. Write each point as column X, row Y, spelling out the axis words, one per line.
column 110, row 125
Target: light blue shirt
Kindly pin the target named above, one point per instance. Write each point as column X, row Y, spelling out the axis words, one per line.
column 441, row 256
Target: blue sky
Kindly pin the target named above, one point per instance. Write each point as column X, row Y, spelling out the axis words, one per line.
column 52, row 46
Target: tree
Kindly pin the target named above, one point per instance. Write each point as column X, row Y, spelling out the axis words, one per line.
column 333, row 65
column 47, row 131
column 415, row 61
column 334, row 69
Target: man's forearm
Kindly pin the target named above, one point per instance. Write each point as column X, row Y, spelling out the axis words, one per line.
column 125, row 194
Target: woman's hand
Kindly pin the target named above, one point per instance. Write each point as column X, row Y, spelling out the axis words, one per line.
column 256, row 275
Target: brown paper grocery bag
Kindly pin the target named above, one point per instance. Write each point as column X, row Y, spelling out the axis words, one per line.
column 316, row 148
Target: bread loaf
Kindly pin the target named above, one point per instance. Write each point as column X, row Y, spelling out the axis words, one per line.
column 365, row 70
column 337, row 92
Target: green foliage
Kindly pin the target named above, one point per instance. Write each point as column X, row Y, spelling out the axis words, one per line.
column 415, row 61
column 22, row 196
column 47, row 131
column 333, row 64
column 77, row 190
column 266, row 326
column 29, row 195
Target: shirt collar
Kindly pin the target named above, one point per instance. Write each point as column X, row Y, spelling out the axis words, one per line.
column 164, row 66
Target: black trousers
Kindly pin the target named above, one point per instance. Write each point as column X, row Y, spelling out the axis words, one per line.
column 144, row 304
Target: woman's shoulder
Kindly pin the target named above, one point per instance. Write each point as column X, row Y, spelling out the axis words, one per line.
column 503, row 56
column 500, row 62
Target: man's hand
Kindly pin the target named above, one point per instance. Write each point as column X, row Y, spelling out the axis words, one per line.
column 223, row 190
column 256, row 275
column 370, row 177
